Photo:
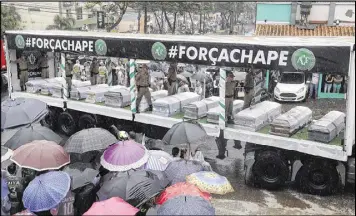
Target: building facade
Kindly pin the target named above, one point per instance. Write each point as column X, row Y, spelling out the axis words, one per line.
column 330, row 19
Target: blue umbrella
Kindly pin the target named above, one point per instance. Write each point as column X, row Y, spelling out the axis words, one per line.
column 4, row 188
column 46, row 191
column 186, row 205
column 178, row 170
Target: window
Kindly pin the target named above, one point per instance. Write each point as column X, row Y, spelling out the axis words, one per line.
column 79, row 13
column 68, row 13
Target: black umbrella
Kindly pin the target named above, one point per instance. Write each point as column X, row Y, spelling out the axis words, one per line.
column 186, row 132
column 31, row 133
column 135, row 187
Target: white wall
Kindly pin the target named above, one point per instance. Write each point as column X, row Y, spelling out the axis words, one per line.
column 320, row 11
column 37, row 20
column 341, row 9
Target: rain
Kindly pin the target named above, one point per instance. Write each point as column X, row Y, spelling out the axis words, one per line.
column 177, row 108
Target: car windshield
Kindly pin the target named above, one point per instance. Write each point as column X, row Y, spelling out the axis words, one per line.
column 292, row 78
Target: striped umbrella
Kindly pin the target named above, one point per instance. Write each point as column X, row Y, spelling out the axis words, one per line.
column 158, row 160
column 89, row 140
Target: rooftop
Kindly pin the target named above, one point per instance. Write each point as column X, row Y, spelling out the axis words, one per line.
column 291, row 30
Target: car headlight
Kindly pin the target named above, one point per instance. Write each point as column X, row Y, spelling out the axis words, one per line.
column 300, row 90
column 277, row 90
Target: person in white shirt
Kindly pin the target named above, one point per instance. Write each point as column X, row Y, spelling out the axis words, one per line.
column 313, row 86
column 199, row 89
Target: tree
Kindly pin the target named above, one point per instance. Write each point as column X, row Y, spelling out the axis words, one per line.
column 10, row 19
column 113, row 11
column 62, row 23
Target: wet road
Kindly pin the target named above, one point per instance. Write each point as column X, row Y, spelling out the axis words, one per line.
column 288, row 201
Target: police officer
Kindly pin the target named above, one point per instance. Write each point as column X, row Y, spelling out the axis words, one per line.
column 43, row 65
column 249, row 87
column 172, row 79
column 94, row 71
column 229, row 96
column 69, row 75
column 23, row 71
column 142, row 83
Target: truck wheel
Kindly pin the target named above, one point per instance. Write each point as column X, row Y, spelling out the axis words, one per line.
column 318, row 178
column 67, row 123
column 270, row 171
column 50, row 120
column 86, row 121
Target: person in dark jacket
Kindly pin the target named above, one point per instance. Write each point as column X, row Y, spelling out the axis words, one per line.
column 249, row 88
column 94, row 71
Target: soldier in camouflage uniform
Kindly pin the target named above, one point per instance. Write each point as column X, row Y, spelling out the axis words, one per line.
column 229, row 96
column 172, row 79
column 249, row 87
column 43, row 65
column 23, row 71
column 142, row 83
column 76, row 71
column 69, row 75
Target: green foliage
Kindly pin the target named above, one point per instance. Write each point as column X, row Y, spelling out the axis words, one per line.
column 10, row 19
column 62, row 23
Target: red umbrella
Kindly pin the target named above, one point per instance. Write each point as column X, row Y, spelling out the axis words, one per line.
column 181, row 188
column 112, row 206
column 41, row 155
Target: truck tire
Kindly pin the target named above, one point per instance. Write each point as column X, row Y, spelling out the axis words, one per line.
column 318, row 178
column 270, row 170
column 86, row 121
column 50, row 120
column 67, row 123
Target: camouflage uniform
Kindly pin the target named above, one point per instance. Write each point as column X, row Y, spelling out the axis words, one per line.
column 76, row 71
column 172, row 80
column 94, row 71
column 142, row 83
column 249, row 86
column 103, row 74
column 229, row 98
column 43, row 62
column 23, row 72
column 69, row 69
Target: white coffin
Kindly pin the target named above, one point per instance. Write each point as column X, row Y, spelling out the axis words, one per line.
column 34, row 86
column 154, row 96
column 258, row 116
column 328, row 127
column 213, row 113
column 96, row 94
column 166, row 106
column 118, row 97
column 200, row 109
column 290, row 122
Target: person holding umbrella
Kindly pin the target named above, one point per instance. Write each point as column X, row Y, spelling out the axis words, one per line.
column 142, row 83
